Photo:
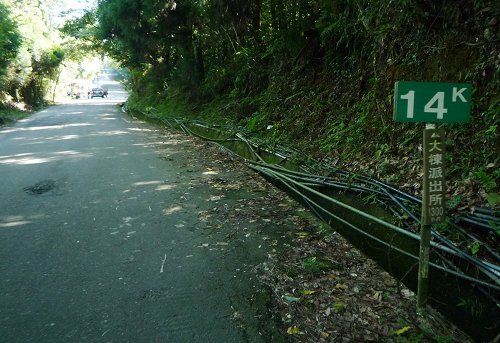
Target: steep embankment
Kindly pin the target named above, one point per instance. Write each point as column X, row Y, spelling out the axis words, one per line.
column 333, row 97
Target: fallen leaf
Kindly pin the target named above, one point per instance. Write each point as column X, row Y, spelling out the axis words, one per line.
column 377, row 296
column 332, row 276
column 301, row 234
column 407, row 293
column 307, row 292
column 292, row 330
column 215, row 197
column 402, row 330
column 217, row 226
column 338, row 307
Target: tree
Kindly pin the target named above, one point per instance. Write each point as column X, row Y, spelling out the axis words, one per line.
column 10, row 42
column 35, row 64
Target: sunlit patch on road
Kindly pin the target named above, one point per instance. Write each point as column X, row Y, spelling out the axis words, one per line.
column 13, row 221
column 13, row 224
column 147, row 183
column 172, row 210
column 109, row 133
column 47, row 127
column 136, row 129
column 210, row 172
column 165, row 187
column 63, row 138
column 31, row 158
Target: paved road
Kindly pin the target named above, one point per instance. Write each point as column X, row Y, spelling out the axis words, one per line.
column 100, row 239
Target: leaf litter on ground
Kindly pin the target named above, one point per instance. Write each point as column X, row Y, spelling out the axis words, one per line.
column 323, row 289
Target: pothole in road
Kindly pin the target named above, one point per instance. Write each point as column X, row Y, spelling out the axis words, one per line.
column 41, row 187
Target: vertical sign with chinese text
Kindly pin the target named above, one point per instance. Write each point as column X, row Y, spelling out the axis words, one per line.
column 433, row 201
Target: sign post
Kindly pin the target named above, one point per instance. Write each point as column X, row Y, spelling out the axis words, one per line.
column 430, row 102
column 433, row 204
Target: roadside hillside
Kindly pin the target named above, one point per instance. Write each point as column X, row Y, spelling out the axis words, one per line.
column 328, row 90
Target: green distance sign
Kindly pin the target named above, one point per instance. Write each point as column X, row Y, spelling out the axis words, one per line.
column 432, row 102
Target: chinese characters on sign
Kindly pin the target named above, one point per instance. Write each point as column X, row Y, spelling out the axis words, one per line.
column 434, row 181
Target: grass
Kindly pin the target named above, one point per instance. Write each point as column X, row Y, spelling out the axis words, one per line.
column 11, row 114
column 316, row 265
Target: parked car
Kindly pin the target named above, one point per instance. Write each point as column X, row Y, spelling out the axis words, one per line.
column 97, row 92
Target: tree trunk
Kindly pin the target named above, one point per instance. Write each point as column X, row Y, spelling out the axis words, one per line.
column 199, row 61
column 55, row 86
column 256, row 17
column 276, row 15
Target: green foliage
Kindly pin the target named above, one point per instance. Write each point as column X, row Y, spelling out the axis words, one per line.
column 382, row 149
column 471, row 305
column 493, row 199
column 323, row 229
column 10, row 41
column 454, row 202
column 486, row 179
column 9, row 114
column 251, row 123
column 45, row 68
column 411, row 338
column 316, row 265
column 494, row 226
column 48, row 62
column 338, row 307
column 83, row 28
column 475, row 247
column 30, row 56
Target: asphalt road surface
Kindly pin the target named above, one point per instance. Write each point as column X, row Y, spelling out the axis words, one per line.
column 98, row 240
